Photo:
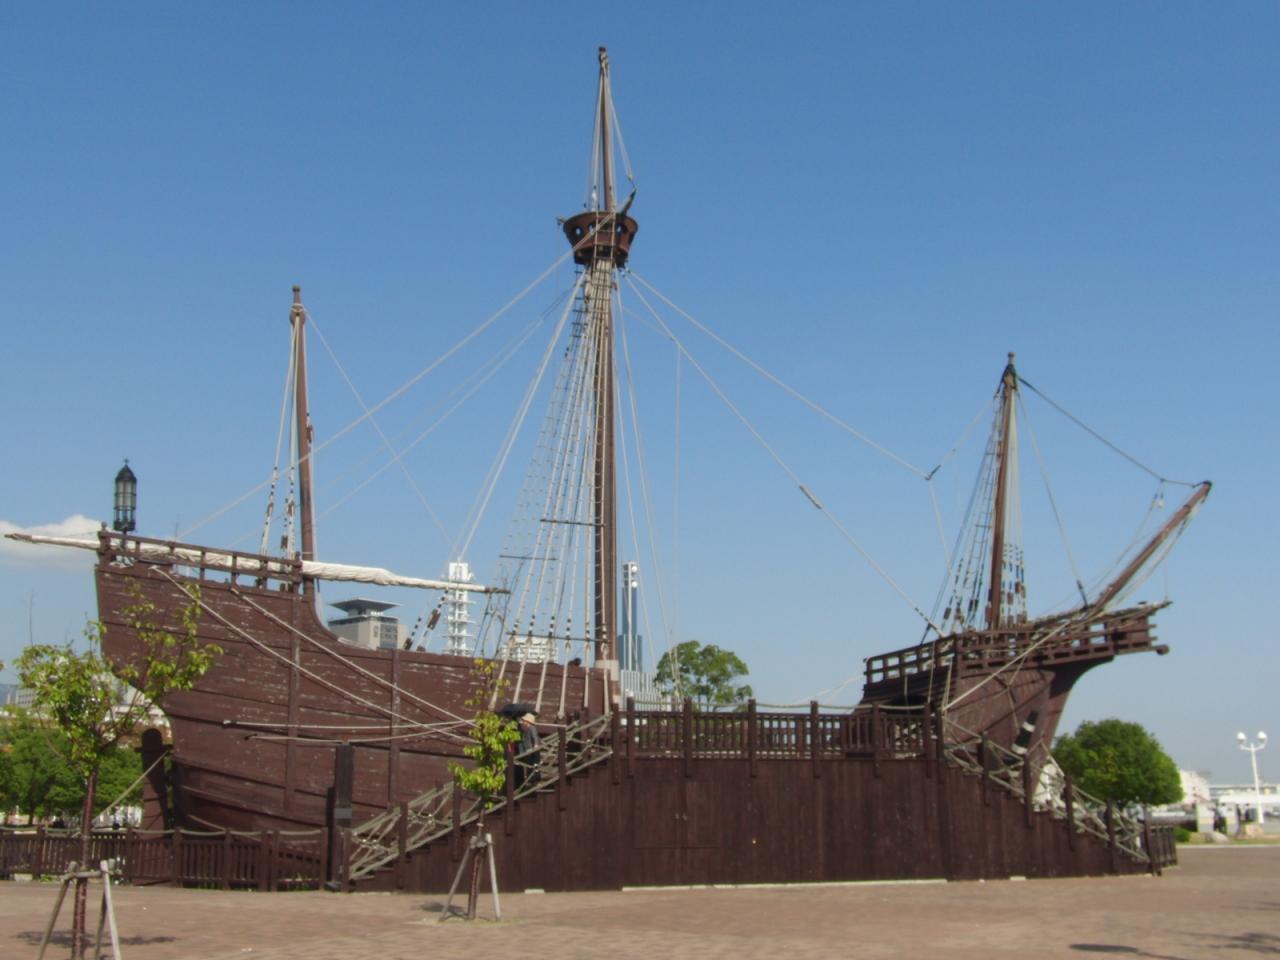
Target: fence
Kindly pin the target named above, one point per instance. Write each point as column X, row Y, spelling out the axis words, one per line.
column 874, row 731
column 266, row 860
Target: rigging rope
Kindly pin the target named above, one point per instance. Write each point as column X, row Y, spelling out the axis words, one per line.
column 1053, row 502
column 495, row 470
column 634, row 407
column 1100, row 438
column 812, row 405
column 373, row 422
column 399, row 391
column 393, row 714
column 782, row 464
column 280, row 436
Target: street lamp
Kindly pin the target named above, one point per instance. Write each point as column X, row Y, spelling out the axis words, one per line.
column 1253, row 749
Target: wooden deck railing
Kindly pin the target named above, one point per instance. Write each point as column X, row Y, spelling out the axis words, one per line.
column 872, row 731
column 1049, row 641
column 267, row 860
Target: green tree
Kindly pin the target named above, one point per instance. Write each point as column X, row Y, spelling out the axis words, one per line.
column 705, row 674
column 119, row 778
column 36, row 779
column 490, row 735
column 1116, row 760
column 76, row 693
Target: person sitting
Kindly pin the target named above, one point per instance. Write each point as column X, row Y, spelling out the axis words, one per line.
column 529, row 751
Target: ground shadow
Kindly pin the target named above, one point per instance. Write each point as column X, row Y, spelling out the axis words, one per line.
column 62, row 938
column 1122, row 950
column 1267, row 944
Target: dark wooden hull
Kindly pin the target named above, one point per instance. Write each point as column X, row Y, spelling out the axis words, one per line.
column 253, row 743
column 782, row 798
column 1010, row 686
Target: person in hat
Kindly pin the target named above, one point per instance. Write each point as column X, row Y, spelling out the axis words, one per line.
column 530, row 750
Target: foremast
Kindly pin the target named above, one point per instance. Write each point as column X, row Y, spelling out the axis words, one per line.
column 1004, row 592
column 601, row 239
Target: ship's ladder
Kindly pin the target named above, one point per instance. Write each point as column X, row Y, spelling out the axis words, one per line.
column 1050, row 792
column 376, row 842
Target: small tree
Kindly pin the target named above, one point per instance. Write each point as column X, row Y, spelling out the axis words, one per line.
column 491, row 735
column 76, row 692
column 704, row 674
column 1119, row 761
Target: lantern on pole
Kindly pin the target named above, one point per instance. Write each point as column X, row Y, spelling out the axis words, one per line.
column 126, row 500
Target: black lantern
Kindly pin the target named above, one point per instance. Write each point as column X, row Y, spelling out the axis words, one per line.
column 126, row 500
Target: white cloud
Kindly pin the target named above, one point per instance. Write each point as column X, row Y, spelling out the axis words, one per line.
column 14, row 553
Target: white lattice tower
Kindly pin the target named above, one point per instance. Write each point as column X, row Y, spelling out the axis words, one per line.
column 457, row 606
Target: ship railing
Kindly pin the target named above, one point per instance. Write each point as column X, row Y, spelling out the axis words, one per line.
column 377, row 842
column 1064, row 638
column 768, row 735
column 201, row 562
column 1050, row 790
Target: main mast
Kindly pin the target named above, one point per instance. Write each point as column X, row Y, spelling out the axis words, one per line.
column 1000, row 500
column 601, row 240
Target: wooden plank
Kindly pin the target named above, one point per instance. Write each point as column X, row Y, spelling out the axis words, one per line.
column 814, row 738
column 686, row 736
column 562, row 770
column 631, row 736
column 1069, row 797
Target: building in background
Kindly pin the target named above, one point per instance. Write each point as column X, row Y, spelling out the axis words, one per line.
column 630, row 651
column 367, row 625
column 635, row 682
column 457, row 605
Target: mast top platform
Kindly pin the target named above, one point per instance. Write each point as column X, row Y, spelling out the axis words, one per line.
column 600, row 235
column 604, row 234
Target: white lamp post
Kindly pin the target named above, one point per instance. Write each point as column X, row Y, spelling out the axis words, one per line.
column 1253, row 749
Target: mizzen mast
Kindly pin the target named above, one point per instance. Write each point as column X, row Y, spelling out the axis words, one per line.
column 601, row 240
column 306, row 510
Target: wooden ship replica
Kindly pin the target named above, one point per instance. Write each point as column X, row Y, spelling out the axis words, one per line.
column 941, row 771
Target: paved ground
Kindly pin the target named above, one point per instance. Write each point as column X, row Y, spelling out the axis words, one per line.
column 1222, row 902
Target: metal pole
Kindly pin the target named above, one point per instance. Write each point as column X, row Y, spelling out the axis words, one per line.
column 1253, row 749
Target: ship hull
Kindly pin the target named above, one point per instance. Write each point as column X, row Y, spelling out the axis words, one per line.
column 254, row 742
column 1008, row 686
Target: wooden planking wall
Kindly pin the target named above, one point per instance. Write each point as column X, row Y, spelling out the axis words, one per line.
column 717, row 824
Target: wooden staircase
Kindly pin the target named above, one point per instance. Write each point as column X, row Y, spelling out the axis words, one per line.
column 378, row 843
column 975, row 809
column 1053, row 793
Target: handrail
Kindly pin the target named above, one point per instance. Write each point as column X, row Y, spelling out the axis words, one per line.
column 1049, row 794
column 376, row 841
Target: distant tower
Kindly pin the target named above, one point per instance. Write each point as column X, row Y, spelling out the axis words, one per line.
column 367, row 624
column 630, row 651
column 458, row 611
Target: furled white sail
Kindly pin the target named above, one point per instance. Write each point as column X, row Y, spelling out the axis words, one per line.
column 267, row 567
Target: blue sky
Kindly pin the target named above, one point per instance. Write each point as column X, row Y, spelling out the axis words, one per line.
column 876, row 202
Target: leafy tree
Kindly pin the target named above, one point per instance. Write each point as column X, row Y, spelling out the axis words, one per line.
column 704, row 674
column 490, row 736
column 1120, row 761
column 118, row 778
column 76, row 693
column 36, row 779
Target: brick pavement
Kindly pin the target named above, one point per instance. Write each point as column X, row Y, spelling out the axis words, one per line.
column 1222, row 902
